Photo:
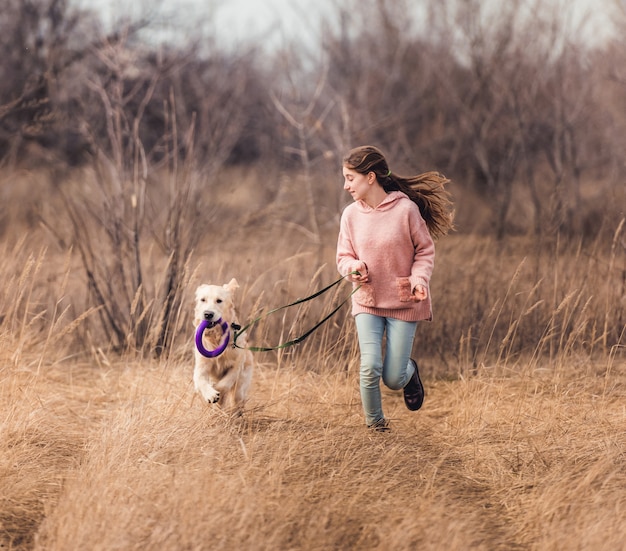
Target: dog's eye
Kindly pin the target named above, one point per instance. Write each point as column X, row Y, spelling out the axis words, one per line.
column 203, row 300
column 219, row 301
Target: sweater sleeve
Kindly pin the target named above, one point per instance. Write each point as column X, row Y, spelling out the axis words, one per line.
column 424, row 258
column 346, row 255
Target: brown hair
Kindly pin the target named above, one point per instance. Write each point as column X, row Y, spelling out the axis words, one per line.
column 425, row 190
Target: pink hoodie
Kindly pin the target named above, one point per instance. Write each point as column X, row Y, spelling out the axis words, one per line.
column 399, row 253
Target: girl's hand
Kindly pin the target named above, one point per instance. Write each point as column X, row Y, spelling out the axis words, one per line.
column 420, row 293
column 362, row 276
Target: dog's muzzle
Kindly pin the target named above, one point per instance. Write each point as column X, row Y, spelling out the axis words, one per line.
column 211, row 318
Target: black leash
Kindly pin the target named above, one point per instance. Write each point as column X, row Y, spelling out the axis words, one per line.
column 238, row 331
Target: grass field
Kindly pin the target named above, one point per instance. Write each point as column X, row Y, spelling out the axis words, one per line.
column 123, row 456
column 521, row 443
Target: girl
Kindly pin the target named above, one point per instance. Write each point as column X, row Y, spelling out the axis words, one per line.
column 386, row 245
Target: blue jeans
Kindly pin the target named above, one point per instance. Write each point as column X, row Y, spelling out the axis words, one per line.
column 395, row 369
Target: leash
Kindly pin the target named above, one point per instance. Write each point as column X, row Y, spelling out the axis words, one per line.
column 297, row 340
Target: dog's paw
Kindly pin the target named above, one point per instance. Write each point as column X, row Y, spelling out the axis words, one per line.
column 212, row 396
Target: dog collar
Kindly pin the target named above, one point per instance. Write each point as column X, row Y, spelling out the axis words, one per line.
column 204, row 324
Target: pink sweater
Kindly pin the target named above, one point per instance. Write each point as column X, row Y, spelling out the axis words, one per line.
column 399, row 253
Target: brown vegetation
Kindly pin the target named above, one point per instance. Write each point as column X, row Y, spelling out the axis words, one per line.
column 129, row 175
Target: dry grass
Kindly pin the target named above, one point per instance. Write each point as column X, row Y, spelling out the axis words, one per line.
column 125, row 457
column 520, row 445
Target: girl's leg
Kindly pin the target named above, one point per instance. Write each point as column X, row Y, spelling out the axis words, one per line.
column 370, row 331
column 397, row 369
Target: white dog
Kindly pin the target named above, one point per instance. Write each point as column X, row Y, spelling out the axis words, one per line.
column 226, row 377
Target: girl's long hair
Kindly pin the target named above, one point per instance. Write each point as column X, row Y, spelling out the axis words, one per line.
column 426, row 190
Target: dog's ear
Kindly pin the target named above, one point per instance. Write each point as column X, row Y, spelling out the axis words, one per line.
column 232, row 285
column 199, row 289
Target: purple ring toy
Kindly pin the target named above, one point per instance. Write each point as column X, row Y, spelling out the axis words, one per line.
column 204, row 324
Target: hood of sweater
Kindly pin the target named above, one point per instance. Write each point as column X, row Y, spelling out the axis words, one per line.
column 388, row 202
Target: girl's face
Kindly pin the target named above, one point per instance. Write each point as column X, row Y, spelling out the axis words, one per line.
column 356, row 184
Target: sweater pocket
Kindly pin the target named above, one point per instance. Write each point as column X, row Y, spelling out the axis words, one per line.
column 403, row 286
column 365, row 295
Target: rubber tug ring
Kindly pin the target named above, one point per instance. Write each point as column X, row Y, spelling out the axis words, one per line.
column 204, row 324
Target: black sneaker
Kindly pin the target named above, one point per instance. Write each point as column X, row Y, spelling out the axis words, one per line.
column 414, row 390
column 382, row 425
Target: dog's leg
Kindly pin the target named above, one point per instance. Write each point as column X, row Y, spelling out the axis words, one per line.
column 245, row 377
column 226, row 387
column 234, row 388
column 203, row 385
column 230, row 402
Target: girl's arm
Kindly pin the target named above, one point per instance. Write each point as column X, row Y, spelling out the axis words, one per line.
column 347, row 260
column 424, row 257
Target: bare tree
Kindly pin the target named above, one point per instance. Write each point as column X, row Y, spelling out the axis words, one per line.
column 37, row 38
column 306, row 127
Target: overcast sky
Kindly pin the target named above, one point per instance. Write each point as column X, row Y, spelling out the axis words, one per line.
column 232, row 21
column 237, row 21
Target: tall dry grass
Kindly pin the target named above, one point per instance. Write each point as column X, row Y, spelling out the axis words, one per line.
column 520, row 444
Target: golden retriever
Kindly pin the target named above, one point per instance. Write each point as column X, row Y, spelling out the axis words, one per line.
column 226, row 377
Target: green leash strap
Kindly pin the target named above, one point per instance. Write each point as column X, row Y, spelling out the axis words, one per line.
column 299, row 339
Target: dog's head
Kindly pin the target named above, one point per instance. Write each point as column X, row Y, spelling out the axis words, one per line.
column 214, row 302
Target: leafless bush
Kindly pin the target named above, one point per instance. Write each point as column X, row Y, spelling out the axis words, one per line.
column 138, row 297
